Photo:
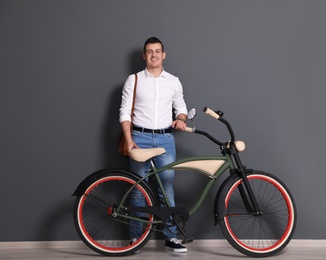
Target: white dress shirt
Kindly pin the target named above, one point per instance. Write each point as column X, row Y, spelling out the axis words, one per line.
column 155, row 98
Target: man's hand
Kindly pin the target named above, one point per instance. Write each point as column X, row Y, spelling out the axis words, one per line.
column 132, row 145
column 179, row 124
column 125, row 125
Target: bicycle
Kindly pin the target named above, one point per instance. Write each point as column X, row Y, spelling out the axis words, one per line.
column 255, row 210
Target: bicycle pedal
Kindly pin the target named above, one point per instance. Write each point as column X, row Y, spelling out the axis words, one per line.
column 188, row 240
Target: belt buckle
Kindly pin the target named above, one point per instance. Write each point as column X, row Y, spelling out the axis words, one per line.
column 158, row 131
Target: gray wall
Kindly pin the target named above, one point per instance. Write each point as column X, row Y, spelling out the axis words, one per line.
column 63, row 64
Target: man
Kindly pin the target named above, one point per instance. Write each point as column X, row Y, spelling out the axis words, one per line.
column 158, row 93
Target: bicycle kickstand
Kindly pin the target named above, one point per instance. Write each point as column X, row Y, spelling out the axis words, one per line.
column 186, row 239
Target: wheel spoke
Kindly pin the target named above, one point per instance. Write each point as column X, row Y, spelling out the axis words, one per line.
column 263, row 234
column 102, row 231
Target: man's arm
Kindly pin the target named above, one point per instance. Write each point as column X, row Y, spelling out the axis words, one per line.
column 125, row 125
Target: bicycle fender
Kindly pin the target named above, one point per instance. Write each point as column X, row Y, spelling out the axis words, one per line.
column 218, row 215
column 97, row 175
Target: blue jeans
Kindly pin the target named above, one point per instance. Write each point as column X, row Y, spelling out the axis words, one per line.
column 149, row 140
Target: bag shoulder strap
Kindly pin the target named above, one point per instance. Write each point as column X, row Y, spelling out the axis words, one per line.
column 134, row 97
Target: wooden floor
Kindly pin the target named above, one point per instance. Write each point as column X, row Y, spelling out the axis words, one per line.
column 154, row 250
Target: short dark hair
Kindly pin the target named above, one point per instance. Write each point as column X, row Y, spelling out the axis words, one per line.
column 152, row 40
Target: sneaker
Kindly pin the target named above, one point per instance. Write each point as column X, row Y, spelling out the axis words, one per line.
column 133, row 241
column 174, row 245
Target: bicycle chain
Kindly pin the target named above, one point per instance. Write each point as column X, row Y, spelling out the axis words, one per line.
column 130, row 224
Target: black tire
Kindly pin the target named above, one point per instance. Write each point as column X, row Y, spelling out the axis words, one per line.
column 95, row 219
column 261, row 235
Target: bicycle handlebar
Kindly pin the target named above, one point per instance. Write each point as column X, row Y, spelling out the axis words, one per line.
column 189, row 129
column 217, row 115
column 210, row 112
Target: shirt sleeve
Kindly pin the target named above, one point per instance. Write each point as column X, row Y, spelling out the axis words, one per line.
column 179, row 103
column 126, row 99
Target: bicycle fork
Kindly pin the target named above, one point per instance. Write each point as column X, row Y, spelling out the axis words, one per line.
column 245, row 190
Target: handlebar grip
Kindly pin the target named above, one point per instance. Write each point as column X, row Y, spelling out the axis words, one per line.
column 189, row 129
column 210, row 112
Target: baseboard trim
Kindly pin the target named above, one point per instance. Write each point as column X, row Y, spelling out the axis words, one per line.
column 152, row 243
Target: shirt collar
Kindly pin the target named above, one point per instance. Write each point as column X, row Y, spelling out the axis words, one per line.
column 163, row 74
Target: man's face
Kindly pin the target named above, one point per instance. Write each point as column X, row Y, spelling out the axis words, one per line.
column 154, row 55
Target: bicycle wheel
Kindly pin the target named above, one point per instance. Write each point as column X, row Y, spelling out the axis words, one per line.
column 98, row 222
column 257, row 235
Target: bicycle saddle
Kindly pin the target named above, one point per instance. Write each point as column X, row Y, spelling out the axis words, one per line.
column 144, row 154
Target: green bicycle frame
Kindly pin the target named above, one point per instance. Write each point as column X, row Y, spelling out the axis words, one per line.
column 211, row 167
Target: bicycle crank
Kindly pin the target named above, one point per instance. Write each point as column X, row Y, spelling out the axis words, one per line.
column 161, row 212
